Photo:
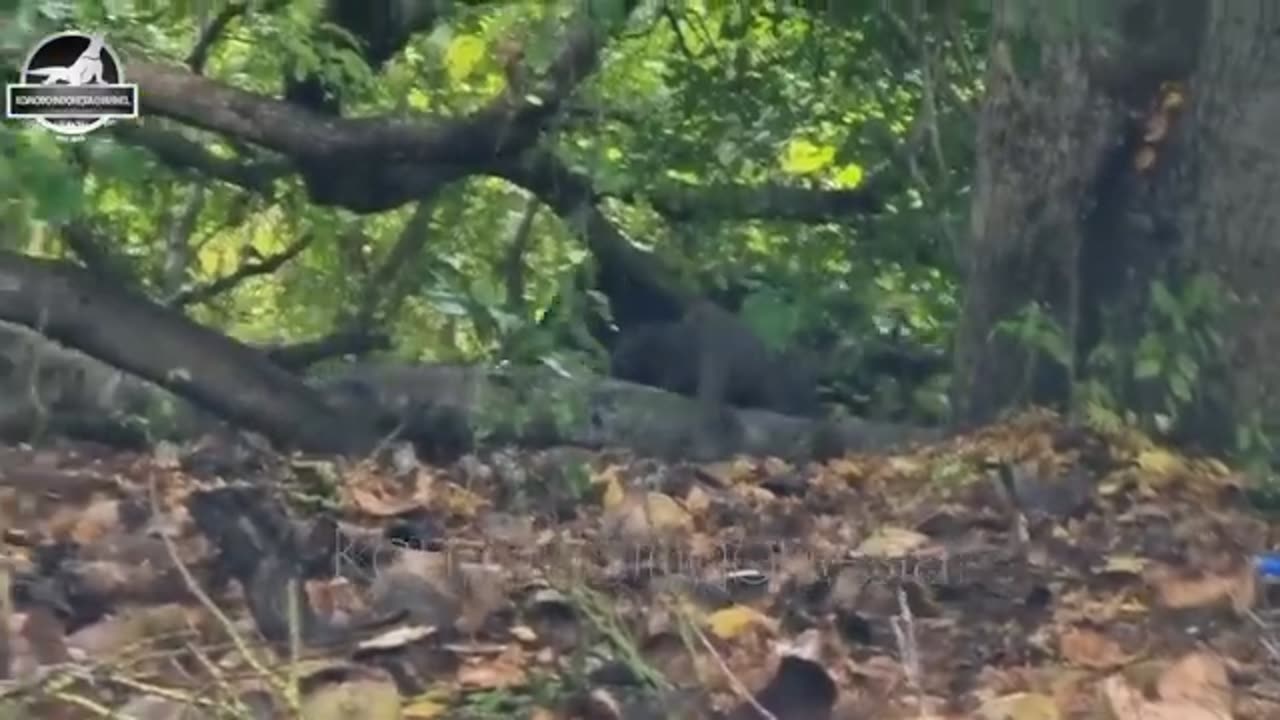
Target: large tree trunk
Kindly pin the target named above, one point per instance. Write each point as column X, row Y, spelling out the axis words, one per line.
column 1093, row 181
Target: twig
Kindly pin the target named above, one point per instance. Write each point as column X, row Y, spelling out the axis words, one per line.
column 515, row 257
column 203, row 598
column 904, row 631
column 734, row 682
column 1269, row 645
column 251, row 268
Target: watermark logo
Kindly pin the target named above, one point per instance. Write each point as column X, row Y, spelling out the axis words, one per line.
column 72, row 83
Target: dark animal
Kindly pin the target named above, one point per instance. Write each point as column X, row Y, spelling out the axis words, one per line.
column 712, row 355
column 439, row 433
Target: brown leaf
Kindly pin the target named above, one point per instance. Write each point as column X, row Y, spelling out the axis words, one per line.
column 1091, row 649
column 1181, row 590
column 1127, row 703
column 889, row 542
column 646, row 516
column 378, row 504
column 1020, row 706
column 357, row 694
column 1198, row 678
column 507, row 670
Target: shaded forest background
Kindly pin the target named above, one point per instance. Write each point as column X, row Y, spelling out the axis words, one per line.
column 493, row 183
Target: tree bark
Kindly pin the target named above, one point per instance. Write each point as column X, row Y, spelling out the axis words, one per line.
column 1126, row 151
column 536, row 406
column 241, row 385
column 129, row 332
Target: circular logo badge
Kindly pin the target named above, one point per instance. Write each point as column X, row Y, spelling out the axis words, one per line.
column 72, row 84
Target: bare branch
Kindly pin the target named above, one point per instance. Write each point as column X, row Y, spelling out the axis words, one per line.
column 178, row 246
column 211, row 33
column 413, row 237
column 514, row 262
column 300, row 356
column 179, row 153
column 95, row 254
column 252, row 268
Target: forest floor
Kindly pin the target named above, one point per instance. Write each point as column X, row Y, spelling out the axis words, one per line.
column 1026, row 571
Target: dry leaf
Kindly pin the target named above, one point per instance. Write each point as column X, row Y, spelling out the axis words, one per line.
column 1127, row 703
column 844, row 467
column 1160, row 462
column 1177, row 590
column 362, row 694
column 614, row 494
column 377, row 505
column 97, row 521
column 1091, row 649
column 697, row 501
column 731, row 471
column 643, row 515
column 1127, row 564
column 891, row 542
column 735, row 620
column 502, row 672
column 1198, row 678
column 1020, row 706
column 424, row 710
column 1157, row 128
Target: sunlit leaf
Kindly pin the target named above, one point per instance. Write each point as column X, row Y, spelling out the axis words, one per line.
column 463, row 56
column 850, row 176
column 803, row 157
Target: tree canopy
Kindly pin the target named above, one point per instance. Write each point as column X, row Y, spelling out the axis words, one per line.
column 809, row 161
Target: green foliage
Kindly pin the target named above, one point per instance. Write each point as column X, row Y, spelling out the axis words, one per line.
column 1164, row 378
column 38, row 182
column 1166, row 372
column 1035, row 328
column 696, row 104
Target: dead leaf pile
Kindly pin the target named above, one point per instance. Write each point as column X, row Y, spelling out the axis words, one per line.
column 1030, row 570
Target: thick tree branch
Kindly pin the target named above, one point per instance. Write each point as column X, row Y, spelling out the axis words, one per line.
column 507, row 125
column 179, row 153
column 98, row 259
column 623, row 269
column 513, row 262
column 130, row 332
column 298, row 357
column 765, row 202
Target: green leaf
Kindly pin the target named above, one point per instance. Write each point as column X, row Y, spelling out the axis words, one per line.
column 803, row 157
column 772, row 317
column 850, row 176
column 1187, row 366
column 1146, row 368
column 609, row 12
column 1164, row 300
column 463, row 56
column 1180, row 387
column 1055, row 345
